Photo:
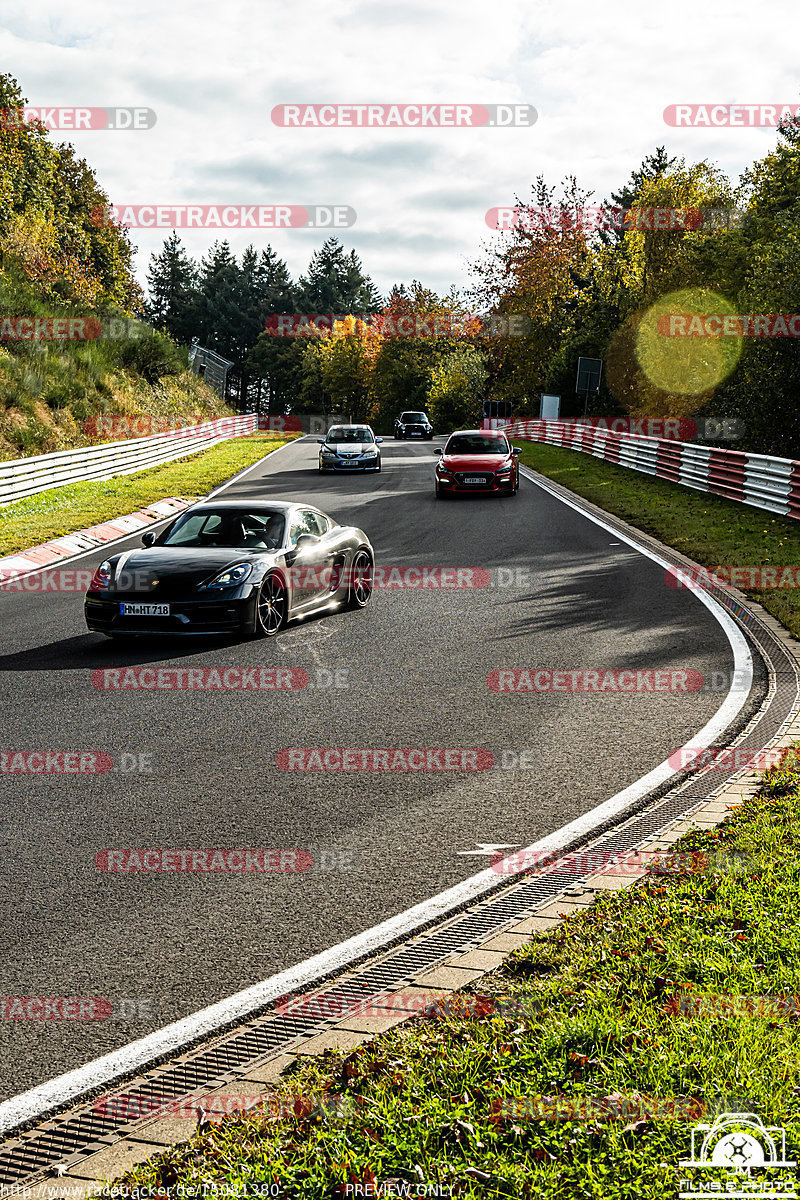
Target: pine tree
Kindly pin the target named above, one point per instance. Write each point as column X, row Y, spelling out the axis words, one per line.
column 277, row 289
column 172, row 283
column 266, row 288
column 219, row 301
column 336, row 283
column 652, row 166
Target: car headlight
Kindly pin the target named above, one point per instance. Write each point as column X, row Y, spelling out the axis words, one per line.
column 101, row 580
column 504, row 470
column 329, row 453
column 369, row 453
column 230, row 577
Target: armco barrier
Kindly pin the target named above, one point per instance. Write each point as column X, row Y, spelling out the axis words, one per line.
column 755, row 479
column 27, row 476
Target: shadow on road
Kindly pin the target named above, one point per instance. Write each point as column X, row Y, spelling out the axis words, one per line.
column 588, row 600
column 91, row 650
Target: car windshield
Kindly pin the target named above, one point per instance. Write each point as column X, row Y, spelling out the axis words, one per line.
column 413, row 417
column 476, row 443
column 230, row 528
column 350, row 433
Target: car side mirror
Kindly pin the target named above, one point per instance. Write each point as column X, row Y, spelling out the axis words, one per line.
column 321, row 441
column 516, row 450
column 438, row 451
column 379, row 440
column 305, row 540
column 148, row 538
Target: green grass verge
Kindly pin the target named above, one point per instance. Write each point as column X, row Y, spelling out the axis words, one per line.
column 49, row 388
column 709, row 529
column 596, row 1016
column 52, row 514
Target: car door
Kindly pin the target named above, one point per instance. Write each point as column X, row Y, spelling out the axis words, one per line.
column 308, row 561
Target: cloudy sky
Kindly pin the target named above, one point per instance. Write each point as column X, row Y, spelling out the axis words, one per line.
column 599, row 75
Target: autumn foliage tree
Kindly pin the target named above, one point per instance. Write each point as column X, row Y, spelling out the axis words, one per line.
column 535, row 273
column 596, row 293
column 49, row 227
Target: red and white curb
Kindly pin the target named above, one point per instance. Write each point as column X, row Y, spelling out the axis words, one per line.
column 88, row 539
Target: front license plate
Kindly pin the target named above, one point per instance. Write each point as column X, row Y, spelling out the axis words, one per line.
column 415, row 433
column 474, row 479
column 345, row 462
column 144, row 610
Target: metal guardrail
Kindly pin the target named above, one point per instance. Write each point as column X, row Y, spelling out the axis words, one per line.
column 758, row 480
column 27, row 476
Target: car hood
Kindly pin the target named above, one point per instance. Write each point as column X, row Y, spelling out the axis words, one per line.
column 158, row 570
column 474, row 462
column 347, row 449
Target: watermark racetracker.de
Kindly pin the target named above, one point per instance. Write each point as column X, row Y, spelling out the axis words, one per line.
column 241, row 860
column 598, row 680
column 225, row 216
column 73, row 329
column 681, row 429
column 633, row 863
column 734, row 758
column 731, row 116
column 77, row 1008
column 601, row 680
column 729, row 325
column 77, row 119
column 399, row 116
column 413, row 759
column 414, row 325
column 610, row 217
column 757, row 578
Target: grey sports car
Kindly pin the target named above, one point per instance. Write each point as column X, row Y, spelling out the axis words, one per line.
column 232, row 566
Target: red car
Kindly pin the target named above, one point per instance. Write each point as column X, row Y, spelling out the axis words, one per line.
column 477, row 461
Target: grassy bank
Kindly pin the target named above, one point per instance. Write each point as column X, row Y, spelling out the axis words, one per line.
column 709, row 529
column 50, row 386
column 51, row 514
column 598, row 1017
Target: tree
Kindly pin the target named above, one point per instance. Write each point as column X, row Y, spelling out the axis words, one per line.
column 335, row 283
column 221, row 315
column 456, row 389
column 277, row 365
column 764, row 261
column 345, row 360
column 53, row 216
column 403, row 366
column 539, row 273
column 653, row 165
column 172, row 283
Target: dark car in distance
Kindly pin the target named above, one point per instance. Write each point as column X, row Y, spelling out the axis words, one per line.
column 413, row 425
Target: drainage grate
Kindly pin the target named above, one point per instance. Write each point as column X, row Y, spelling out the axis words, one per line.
column 75, row 1136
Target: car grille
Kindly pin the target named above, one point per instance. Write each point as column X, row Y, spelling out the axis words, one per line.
column 198, row 617
column 486, row 479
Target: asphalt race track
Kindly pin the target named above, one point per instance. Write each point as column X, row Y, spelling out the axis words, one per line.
column 412, row 673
